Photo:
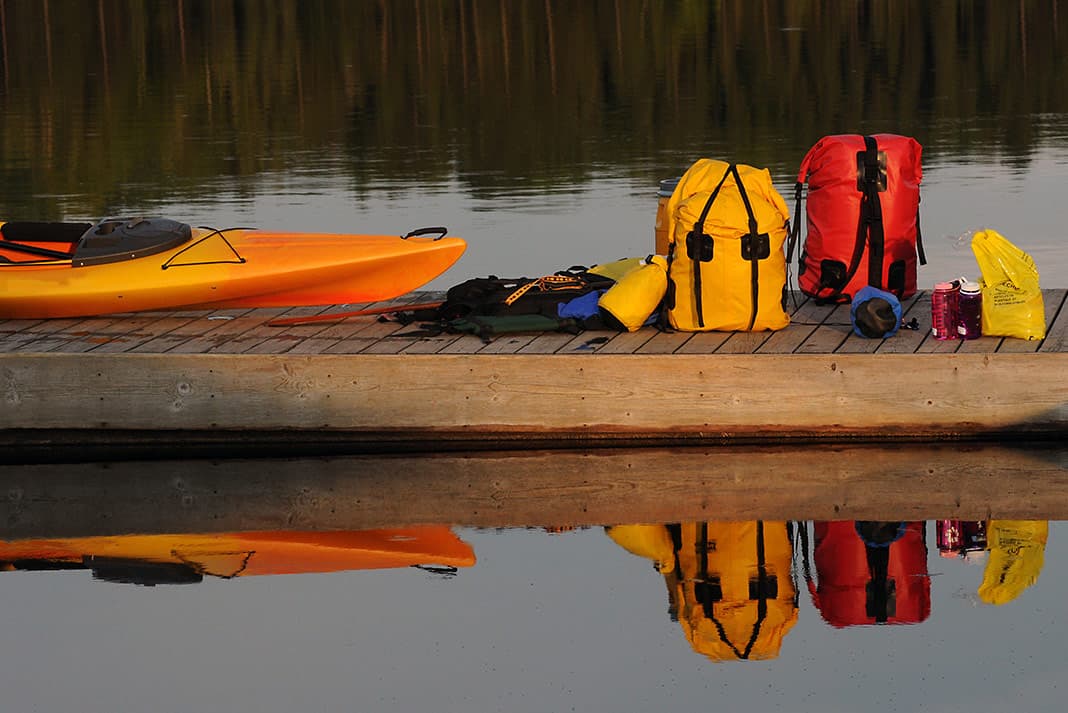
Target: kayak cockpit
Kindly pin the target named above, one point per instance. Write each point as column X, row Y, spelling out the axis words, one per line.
column 83, row 244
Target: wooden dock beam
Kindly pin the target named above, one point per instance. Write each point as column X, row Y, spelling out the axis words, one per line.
column 432, row 402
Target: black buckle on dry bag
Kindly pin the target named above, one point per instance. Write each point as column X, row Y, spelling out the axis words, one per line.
column 871, row 167
column 699, row 246
column 756, row 246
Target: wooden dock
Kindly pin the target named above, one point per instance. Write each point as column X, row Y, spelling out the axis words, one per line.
column 227, row 380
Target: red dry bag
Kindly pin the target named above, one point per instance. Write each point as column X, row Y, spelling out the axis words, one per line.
column 862, row 215
column 870, row 573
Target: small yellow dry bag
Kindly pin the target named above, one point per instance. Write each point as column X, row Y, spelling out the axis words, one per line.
column 637, row 294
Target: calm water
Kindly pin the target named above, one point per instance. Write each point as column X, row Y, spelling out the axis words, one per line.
column 542, row 622
column 539, row 132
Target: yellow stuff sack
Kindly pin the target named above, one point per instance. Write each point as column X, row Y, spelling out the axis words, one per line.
column 616, row 269
column 726, row 264
column 1012, row 298
column 637, row 294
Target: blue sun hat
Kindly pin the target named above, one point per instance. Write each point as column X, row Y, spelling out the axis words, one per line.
column 875, row 314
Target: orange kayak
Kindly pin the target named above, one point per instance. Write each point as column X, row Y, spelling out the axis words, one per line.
column 178, row 558
column 129, row 265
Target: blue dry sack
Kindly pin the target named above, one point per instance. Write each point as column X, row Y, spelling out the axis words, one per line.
column 583, row 307
column 875, row 314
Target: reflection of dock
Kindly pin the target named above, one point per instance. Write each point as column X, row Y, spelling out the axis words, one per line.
column 213, row 379
column 905, row 482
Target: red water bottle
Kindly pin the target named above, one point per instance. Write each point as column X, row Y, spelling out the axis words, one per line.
column 969, row 310
column 944, row 311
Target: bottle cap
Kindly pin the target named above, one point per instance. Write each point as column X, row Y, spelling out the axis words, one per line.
column 970, row 287
column 943, row 286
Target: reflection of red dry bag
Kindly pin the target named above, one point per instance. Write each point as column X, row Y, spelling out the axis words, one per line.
column 862, row 215
column 880, row 578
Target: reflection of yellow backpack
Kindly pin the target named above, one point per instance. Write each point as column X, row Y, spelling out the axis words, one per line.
column 726, row 264
column 729, row 583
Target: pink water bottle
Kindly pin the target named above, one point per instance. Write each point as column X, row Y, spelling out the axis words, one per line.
column 944, row 311
column 950, row 537
column 969, row 310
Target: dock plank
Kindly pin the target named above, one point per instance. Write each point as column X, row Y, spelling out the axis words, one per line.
column 908, row 340
column 548, row 343
column 430, row 345
column 1057, row 336
column 703, row 343
column 124, row 335
column 743, row 342
column 803, row 322
column 830, row 334
column 628, row 342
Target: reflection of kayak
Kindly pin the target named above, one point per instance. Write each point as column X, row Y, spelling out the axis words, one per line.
column 78, row 269
column 150, row 559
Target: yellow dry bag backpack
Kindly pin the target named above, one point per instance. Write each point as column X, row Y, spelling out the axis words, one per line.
column 727, row 226
column 730, row 584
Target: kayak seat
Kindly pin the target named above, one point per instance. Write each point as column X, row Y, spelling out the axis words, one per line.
column 15, row 237
column 33, row 232
column 117, row 239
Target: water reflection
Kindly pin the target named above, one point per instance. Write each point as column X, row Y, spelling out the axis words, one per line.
column 188, row 558
column 733, row 587
column 1017, row 551
column 724, row 565
column 118, row 103
column 869, row 572
column 730, row 584
column 1014, row 551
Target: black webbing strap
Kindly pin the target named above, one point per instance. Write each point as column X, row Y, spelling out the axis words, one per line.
column 874, row 213
column 762, row 598
column 919, row 239
column 795, row 233
column 879, row 604
column 754, row 247
column 869, row 221
column 696, row 236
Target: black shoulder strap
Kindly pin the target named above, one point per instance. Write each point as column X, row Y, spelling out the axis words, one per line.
column 755, row 247
column 919, row 239
column 795, row 232
column 874, row 213
column 695, row 241
column 869, row 223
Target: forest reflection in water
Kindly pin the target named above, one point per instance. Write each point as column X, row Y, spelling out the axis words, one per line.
column 120, row 103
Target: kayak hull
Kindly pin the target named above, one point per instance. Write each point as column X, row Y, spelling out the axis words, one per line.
column 230, row 269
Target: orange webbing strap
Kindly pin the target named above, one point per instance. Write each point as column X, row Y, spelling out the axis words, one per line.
column 546, row 284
